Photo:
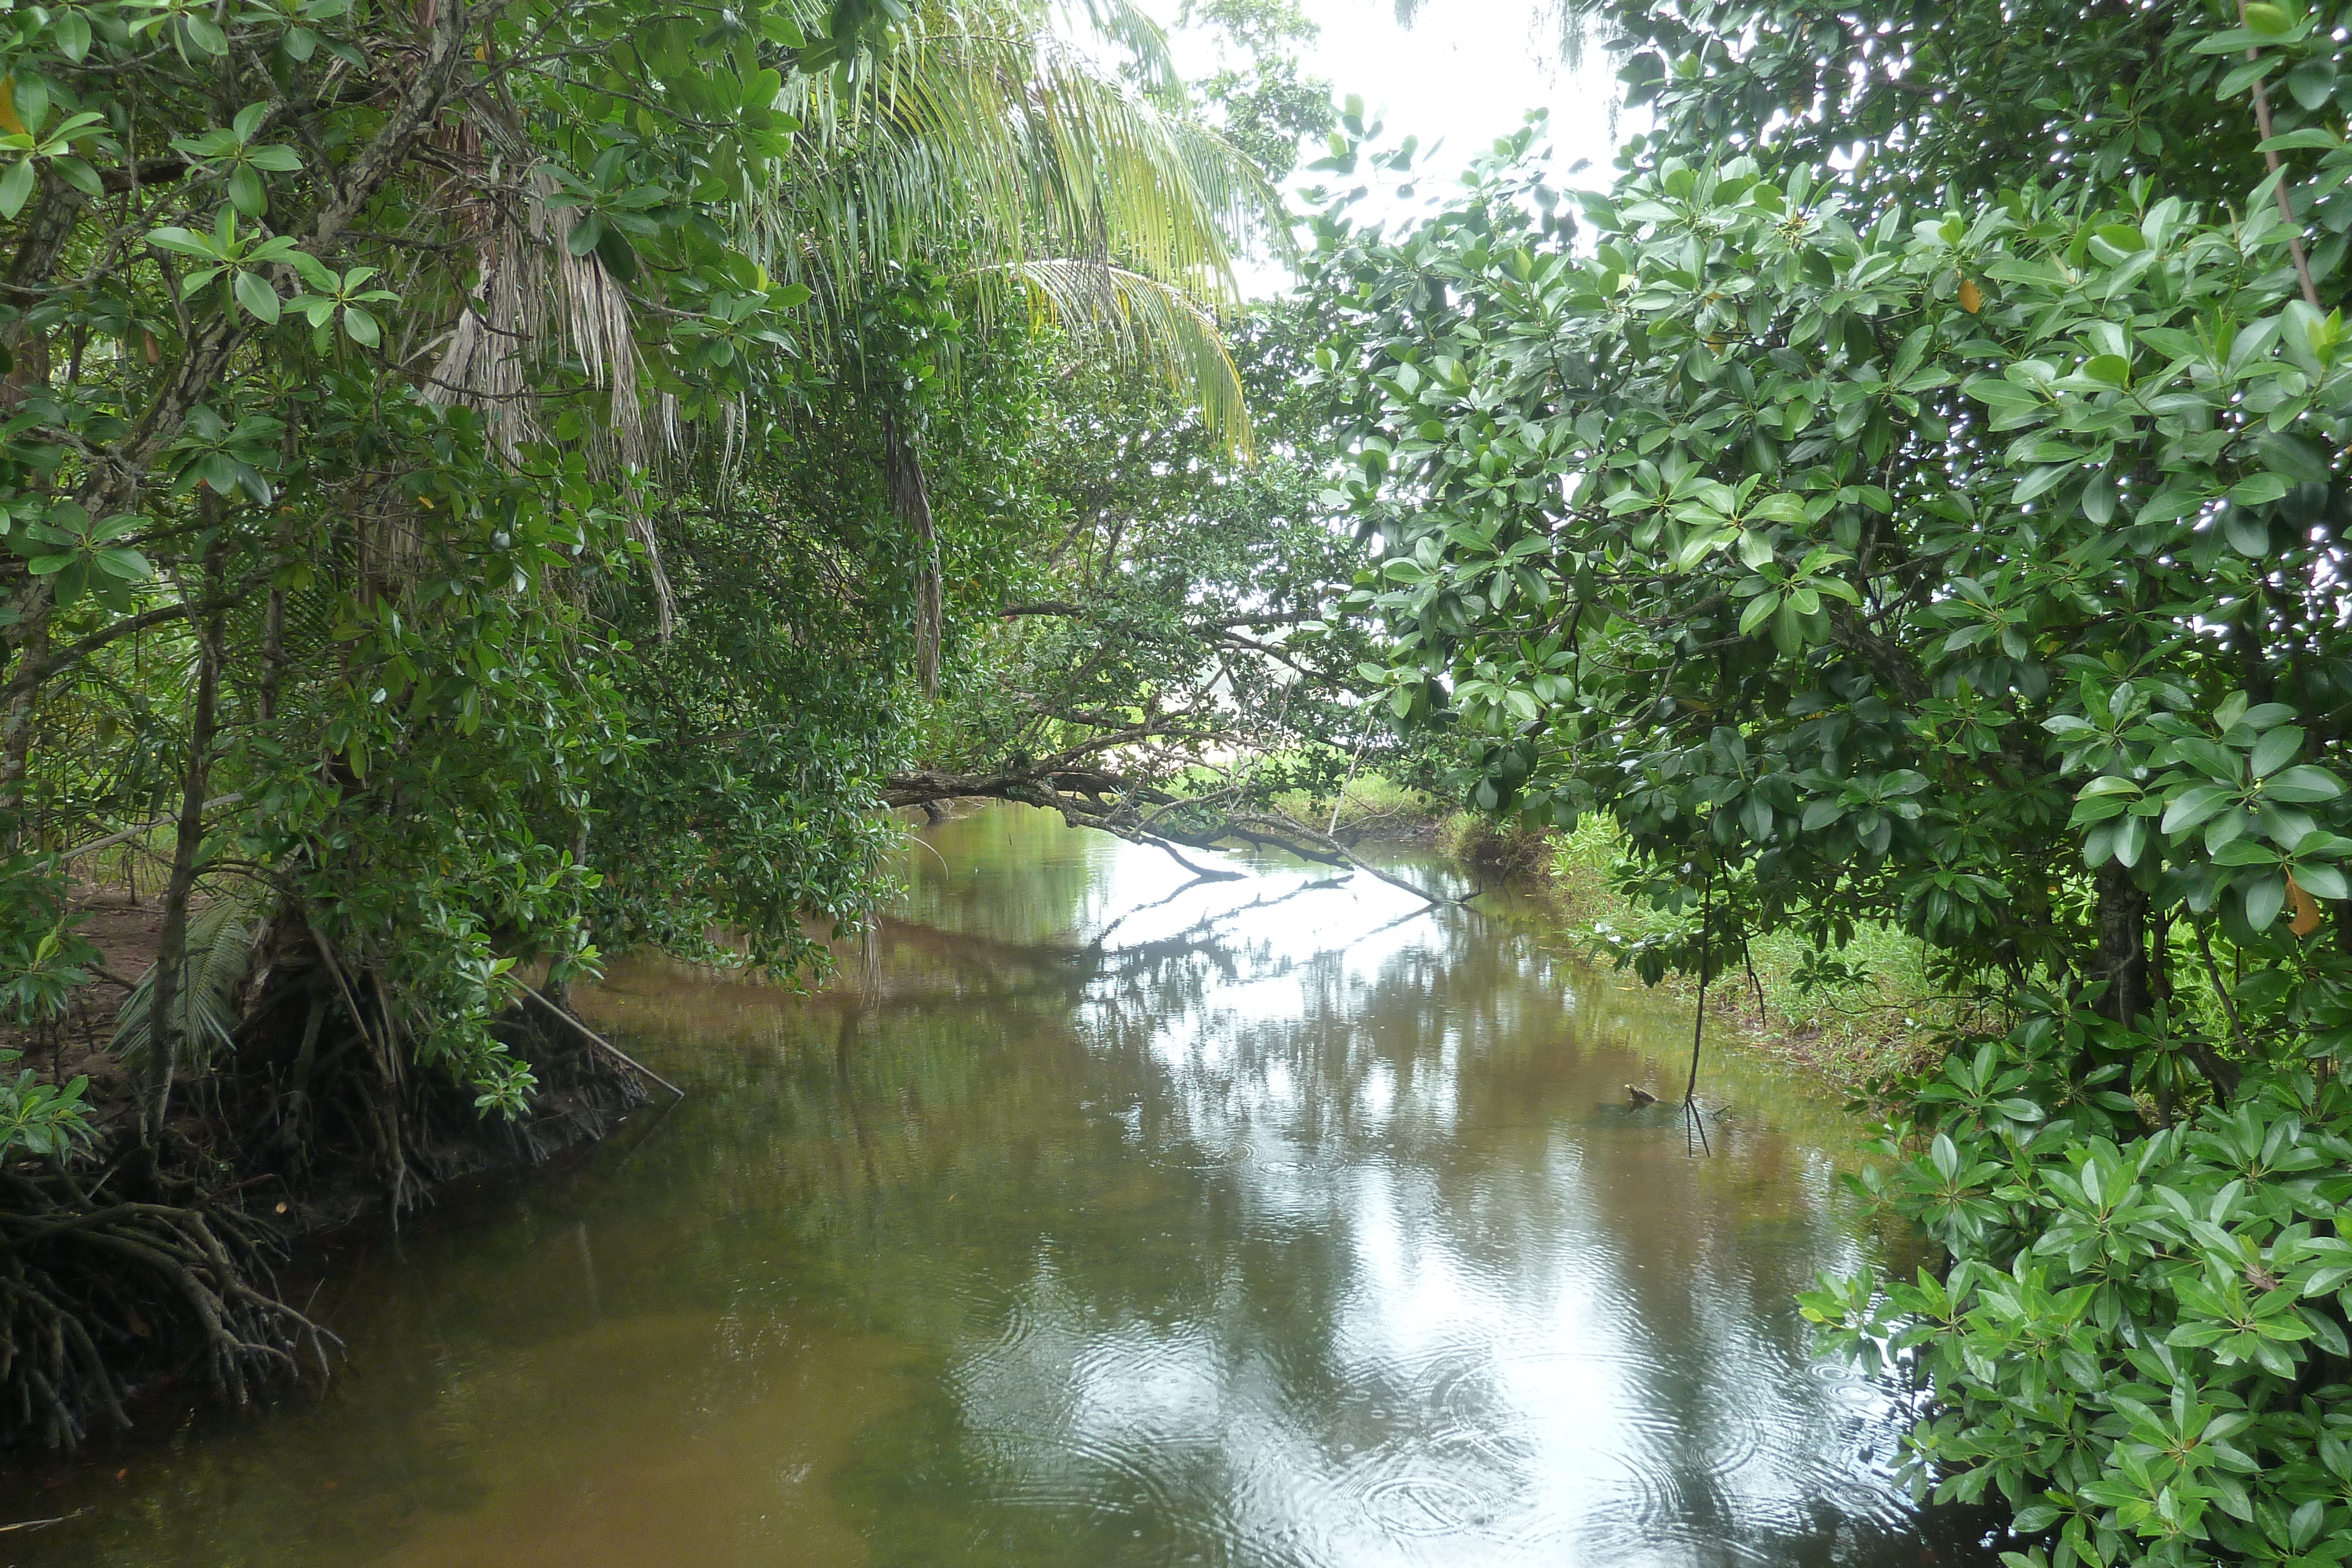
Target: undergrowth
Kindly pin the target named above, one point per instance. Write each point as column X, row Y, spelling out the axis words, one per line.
column 1861, row 1017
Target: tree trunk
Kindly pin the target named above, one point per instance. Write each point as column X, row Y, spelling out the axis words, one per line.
column 19, row 723
column 910, row 500
column 172, row 944
column 2122, row 957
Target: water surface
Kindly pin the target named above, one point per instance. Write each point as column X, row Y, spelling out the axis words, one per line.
column 1098, row 1217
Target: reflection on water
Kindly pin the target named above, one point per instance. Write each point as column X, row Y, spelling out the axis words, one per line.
column 1094, row 1218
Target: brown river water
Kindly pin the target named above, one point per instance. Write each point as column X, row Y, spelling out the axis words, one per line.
column 1092, row 1218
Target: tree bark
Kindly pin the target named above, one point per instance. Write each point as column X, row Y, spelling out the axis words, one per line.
column 172, row 944
column 2122, row 957
column 910, row 498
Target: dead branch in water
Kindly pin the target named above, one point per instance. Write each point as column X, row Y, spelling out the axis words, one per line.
column 1088, row 794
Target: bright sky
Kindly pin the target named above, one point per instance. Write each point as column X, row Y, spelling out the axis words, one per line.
column 1464, row 72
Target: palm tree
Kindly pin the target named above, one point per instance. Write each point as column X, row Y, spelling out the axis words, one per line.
column 986, row 138
column 1041, row 155
column 982, row 137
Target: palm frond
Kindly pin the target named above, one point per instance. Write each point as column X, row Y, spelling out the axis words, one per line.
column 220, row 946
column 1124, row 25
column 1145, row 321
column 985, row 140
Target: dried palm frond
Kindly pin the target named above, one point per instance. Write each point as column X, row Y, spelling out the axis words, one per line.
column 532, row 291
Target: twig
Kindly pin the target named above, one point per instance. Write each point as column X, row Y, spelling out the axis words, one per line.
column 2270, row 162
column 594, row 1038
column 1698, row 1019
column 1330, row 845
column 918, row 838
column 108, row 843
column 1342, row 798
column 335, row 971
column 42, row 1523
column 1200, row 873
column 2213, row 972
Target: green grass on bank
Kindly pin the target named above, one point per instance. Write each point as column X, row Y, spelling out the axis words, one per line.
column 1864, row 1013
column 1856, row 1016
column 1369, row 808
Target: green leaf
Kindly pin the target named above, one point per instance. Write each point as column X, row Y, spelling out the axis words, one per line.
column 2259, row 488
column 2322, row 881
column 361, row 327
column 71, row 29
column 2041, row 482
column 2313, row 83
column 30, row 95
column 80, row 175
column 2308, row 137
column 245, row 192
column 254, row 292
column 2276, row 748
column 2265, row 899
column 2193, row 806
column 207, row 38
column 2302, row 784
column 15, row 187
column 126, row 564
column 185, row 241
column 618, row 256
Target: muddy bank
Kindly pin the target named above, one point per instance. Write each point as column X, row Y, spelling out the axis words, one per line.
column 145, row 1262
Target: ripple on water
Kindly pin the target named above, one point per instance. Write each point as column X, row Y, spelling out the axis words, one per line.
column 1430, row 1505
column 1402, row 1492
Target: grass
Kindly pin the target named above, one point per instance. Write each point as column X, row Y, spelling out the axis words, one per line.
column 1369, row 807
column 1875, row 1013
column 1856, row 1017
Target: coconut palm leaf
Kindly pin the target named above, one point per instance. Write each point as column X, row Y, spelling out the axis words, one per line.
column 220, row 944
column 1140, row 318
column 986, row 141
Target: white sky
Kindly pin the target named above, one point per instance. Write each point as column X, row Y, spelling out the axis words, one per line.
column 1464, row 72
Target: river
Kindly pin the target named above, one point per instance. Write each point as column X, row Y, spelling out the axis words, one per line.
column 1094, row 1216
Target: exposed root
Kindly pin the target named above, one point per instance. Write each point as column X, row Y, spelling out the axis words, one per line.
column 95, row 1296
column 146, row 1265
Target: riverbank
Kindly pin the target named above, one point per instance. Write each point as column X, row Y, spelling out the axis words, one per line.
column 145, row 1235
column 1859, row 1018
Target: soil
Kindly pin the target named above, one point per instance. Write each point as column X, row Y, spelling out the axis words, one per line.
column 126, row 932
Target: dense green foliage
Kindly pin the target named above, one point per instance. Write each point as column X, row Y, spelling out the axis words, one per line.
column 448, row 447
column 1914, row 492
